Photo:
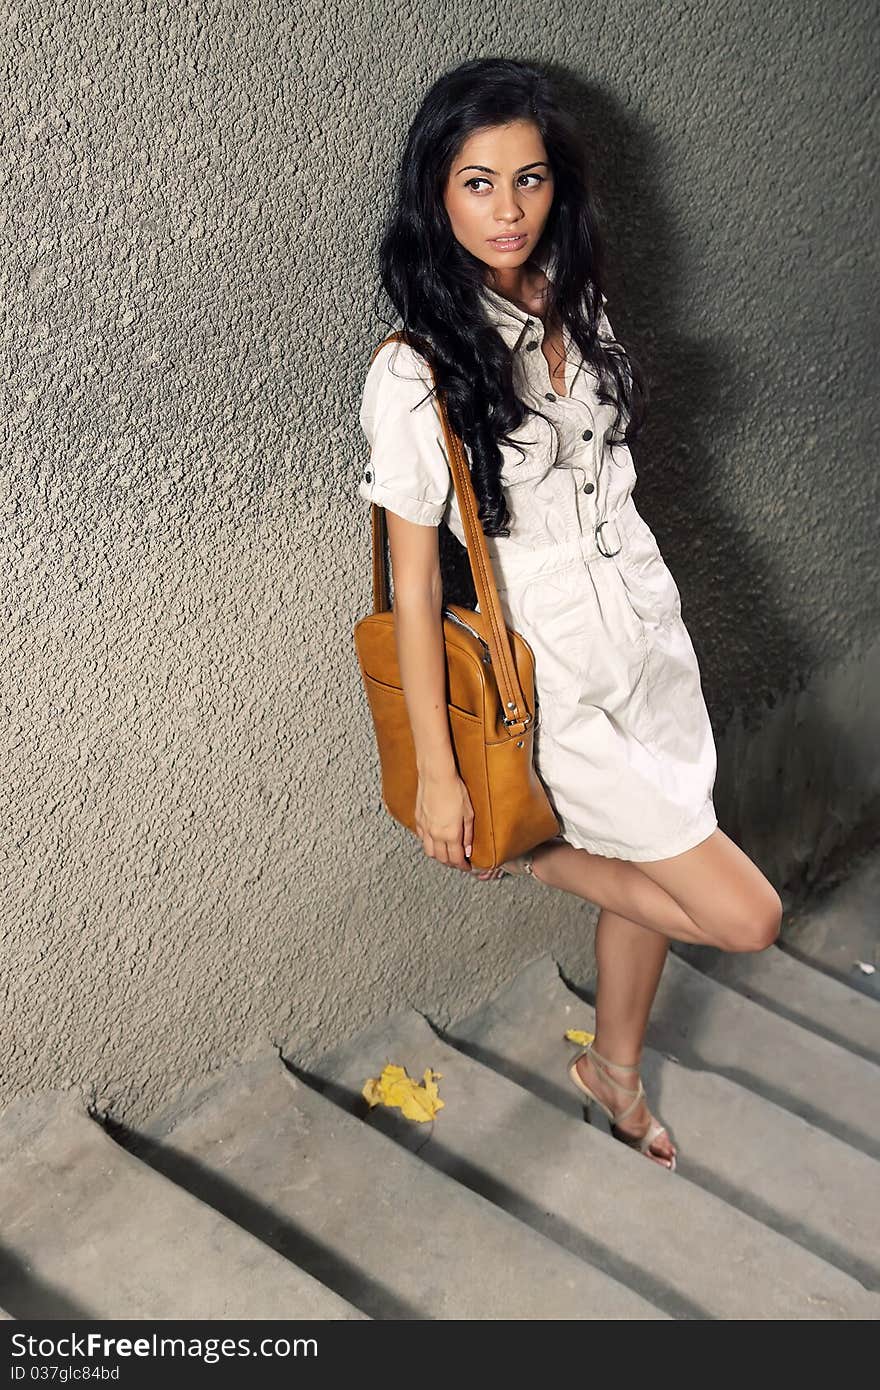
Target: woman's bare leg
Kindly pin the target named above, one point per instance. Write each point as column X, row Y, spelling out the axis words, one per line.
column 629, row 960
column 713, row 894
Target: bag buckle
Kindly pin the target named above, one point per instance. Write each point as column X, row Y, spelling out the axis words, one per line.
column 524, row 719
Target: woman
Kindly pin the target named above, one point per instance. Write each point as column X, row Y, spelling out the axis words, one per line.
column 493, row 262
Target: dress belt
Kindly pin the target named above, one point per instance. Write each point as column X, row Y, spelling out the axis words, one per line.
column 513, row 564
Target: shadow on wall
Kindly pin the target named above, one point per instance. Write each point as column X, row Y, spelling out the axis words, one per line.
column 795, row 787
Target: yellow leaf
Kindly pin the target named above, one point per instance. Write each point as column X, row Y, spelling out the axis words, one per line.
column 395, row 1088
column 578, row 1035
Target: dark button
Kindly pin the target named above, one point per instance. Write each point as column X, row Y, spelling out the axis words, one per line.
column 589, row 487
column 530, row 347
column 587, row 434
column 549, row 396
column 368, row 475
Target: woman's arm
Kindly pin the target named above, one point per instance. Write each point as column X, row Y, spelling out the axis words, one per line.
column 444, row 814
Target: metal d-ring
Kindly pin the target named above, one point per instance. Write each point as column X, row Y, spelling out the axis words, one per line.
column 607, row 553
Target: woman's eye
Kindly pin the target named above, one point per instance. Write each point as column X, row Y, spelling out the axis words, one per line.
column 478, row 179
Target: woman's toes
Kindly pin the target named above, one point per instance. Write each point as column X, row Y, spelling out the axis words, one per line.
column 663, row 1151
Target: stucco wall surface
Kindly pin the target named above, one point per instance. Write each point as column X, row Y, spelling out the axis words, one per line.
column 196, row 853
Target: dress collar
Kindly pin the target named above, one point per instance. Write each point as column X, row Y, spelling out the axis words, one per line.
column 511, row 321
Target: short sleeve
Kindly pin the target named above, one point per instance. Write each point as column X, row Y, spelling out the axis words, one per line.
column 407, row 470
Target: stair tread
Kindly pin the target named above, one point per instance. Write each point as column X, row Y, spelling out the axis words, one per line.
column 809, row 997
column 364, row 1215
column 705, row 1023
column 75, row 1206
column 792, row 1175
column 605, row 1202
column 837, row 928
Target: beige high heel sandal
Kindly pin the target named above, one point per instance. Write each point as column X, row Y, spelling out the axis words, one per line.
column 654, row 1130
column 522, row 864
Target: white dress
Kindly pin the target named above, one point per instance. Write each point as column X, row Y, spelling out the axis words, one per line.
column 623, row 742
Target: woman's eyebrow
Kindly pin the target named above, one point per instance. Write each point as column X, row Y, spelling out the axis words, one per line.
column 483, row 170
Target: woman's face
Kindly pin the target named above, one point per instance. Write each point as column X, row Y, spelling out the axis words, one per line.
column 500, row 185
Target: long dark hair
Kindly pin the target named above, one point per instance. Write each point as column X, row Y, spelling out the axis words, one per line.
column 433, row 282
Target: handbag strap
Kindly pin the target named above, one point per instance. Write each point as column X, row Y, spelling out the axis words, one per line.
column 517, row 716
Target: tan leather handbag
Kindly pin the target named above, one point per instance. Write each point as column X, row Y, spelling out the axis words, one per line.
column 490, row 695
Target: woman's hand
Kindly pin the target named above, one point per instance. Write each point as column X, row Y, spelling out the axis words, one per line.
column 445, row 819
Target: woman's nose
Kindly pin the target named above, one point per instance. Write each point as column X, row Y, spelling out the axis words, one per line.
column 508, row 215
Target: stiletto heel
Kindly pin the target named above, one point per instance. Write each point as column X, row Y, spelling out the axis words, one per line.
column 522, row 864
column 654, row 1130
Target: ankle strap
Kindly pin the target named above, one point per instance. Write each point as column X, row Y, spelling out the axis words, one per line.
column 624, row 1066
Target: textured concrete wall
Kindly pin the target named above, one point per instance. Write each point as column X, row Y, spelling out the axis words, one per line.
column 196, row 853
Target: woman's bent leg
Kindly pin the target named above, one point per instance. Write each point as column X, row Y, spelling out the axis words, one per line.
column 712, row 895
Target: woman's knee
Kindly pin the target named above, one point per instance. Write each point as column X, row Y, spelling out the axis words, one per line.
column 757, row 924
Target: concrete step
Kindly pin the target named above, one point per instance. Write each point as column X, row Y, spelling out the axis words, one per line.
column 390, row 1234
column 780, row 981
column 840, row 926
column 761, row 1159
column 89, row 1231
column 705, row 1024
column 611, row 1207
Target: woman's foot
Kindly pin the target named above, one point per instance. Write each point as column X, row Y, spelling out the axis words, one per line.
column 522, row 864
column 618, row 1096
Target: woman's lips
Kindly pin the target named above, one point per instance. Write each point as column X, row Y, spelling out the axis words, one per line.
column 508, row 243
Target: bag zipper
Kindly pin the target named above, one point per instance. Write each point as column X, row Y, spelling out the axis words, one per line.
column 487, row 655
